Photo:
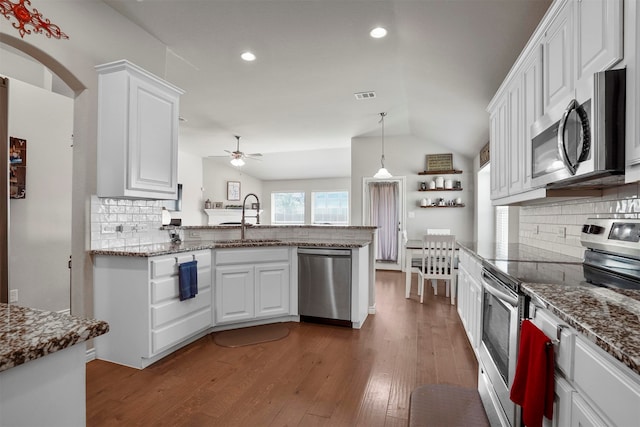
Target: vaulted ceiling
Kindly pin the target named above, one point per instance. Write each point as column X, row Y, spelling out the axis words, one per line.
column 434, row 73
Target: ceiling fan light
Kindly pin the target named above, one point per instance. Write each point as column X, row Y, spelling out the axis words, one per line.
column 378, row 32
column 237, row 162
column 382, row 173
column 248, row 56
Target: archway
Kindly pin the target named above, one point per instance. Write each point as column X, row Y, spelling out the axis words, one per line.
column 77, row 303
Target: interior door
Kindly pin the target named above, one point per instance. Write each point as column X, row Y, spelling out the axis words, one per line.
column 387, row 213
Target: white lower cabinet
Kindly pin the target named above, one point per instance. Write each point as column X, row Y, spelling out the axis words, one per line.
column 252, row 284
column 592, row 387
column 470, row 297
column 139, row 298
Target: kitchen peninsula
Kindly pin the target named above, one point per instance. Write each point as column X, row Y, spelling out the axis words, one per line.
column 39, row 358
column 241, row 282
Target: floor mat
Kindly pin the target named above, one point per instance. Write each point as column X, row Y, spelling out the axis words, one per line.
column 252, row 335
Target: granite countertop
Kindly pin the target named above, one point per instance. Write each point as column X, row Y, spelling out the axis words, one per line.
column 267, row 226
column 610, row 318
column 172, row 248
column 28, row 334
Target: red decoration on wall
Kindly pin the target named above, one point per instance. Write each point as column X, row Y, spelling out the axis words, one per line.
column 26, row 18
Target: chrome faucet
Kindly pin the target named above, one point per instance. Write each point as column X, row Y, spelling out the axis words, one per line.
column 243, row 224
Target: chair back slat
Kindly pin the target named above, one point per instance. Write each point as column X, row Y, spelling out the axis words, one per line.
column 437, row 255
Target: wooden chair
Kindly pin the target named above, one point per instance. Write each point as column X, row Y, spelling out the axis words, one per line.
column 437, row 263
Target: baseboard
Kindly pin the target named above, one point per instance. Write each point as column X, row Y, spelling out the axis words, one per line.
column 91, row 354
column 66, row 312
column 372, row 309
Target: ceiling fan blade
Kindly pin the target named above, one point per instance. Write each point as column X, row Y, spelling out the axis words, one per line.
column 254, row 155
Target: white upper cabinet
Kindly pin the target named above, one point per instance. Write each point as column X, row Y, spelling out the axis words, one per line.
column 137, row 133
column 516, row 143
column 511, row 117
column 576, row 39
column 531, row 106
column 499, row 134
column 558, row 54
column 598, row 40
column 632, row 59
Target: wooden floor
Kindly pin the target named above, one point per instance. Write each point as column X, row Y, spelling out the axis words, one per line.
column 317, row 376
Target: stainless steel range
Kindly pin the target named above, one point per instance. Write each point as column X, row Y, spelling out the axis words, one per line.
column 611, row 259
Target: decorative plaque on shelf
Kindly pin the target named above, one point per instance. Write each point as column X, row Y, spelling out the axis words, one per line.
column 439, row 162
column 484, row 155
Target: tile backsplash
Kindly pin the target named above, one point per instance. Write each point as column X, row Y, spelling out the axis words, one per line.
column 124, row 222
column 556, row 225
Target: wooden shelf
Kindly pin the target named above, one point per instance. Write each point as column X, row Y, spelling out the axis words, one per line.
column 448, row 172
column 442, row 189
column 435, row 206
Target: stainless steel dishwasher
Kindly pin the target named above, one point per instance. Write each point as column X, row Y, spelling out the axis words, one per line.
column 324, row 285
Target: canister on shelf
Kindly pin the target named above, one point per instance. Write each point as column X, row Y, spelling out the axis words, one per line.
column 439, row 182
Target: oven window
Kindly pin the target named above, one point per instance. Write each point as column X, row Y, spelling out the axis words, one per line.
column 496, row 331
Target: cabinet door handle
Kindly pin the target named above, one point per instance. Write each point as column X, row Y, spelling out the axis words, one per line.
column 634, row 162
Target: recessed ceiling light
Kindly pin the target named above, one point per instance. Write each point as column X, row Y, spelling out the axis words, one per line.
column 378, row 32
column 248, row 56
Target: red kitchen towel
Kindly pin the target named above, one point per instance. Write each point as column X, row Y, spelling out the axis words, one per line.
column 533, row 383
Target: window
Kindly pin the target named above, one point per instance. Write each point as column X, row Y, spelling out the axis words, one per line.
column 330, row 207
column 287, row 208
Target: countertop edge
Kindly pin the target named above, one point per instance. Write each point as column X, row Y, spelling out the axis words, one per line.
column 588, row 331
column 28, row 334
column 193, row 246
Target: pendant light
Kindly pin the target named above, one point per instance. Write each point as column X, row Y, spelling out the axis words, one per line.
column 383, row 173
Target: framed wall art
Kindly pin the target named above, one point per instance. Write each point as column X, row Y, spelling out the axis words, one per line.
column 233, row 190
column 17, row 168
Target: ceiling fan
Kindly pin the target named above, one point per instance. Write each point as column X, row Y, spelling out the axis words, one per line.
column 237, row 156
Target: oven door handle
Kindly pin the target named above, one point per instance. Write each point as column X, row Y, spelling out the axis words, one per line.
column 498, row 293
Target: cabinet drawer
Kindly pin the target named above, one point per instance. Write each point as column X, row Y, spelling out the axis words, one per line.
column 167, row 266
column 175, row 309
column 251, row 256
column 179, row 331
column 167, row 287
column 615, row 392
column 564, row 348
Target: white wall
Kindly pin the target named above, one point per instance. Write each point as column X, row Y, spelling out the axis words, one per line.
column 301, row 185
column 190, row 175
column 406, row 156
column 40, row 224
column 215, row 176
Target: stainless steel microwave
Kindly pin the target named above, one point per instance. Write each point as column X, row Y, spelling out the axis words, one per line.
column 586, row 143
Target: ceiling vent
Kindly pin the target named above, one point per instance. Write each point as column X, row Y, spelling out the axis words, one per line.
column 365, row 95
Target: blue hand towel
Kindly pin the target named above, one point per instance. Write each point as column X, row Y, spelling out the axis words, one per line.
column 188, row 279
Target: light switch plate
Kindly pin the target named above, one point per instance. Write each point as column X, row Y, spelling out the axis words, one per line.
column 13, row 295
column 561, row 232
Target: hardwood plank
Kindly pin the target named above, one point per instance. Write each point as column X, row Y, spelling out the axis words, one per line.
column 317, row 376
